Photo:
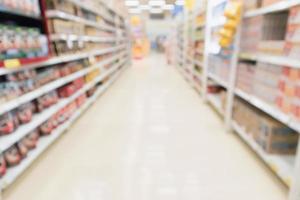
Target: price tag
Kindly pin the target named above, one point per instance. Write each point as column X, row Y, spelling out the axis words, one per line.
column 12, row 63
column 69, row 42
column 92, row 59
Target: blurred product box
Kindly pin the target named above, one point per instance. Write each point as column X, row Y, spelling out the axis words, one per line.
column 271, row 47
column 252, row 4
column 273, row 136
column 294, row 16
column 64, row 6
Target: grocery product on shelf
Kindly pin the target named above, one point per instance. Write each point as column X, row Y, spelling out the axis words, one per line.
column 31, row 8
column 251, row 75
column 22, row 42
column 232, row 13
column 272, row 136
column 39, row 102
column 12, row 156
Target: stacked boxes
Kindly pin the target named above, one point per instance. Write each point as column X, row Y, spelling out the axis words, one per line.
column 251, row 34
column 252, row 4
column 266, row 81
column 261, row 80
column 273, row 136
column 289, row 92
column 246, row 73
column 265, row 34
column 255, row 4
column 275, row 85
column 292, row 39
column 74, row 44
column 65, row 27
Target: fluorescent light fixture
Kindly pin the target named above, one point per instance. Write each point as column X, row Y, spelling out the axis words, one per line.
column 180, row 2
column 144, row 7
column 156, row 10
column 168, row 7
column 134, row 11
column 132, row 3
column 156, row 2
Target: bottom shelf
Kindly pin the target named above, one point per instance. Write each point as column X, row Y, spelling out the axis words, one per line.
column 216, row 102
column 14, row 172
column 281, row 165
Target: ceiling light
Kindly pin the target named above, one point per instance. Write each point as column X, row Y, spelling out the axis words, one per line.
column 156, row 2
column 168, row 7
column 144, row 7
column 180, row 2
column 156, row 10
column 134, row 11
column 132, row 3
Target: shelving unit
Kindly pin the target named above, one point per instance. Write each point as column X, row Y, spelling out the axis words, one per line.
column 285, row 167
column 110, row 61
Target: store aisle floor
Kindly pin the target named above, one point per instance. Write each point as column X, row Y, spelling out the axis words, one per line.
column 149, row 137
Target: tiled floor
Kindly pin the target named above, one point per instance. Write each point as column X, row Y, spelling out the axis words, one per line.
column 150, row 137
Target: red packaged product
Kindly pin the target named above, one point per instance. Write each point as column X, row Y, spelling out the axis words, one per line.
column 79, row 83
column 30, row 141
column 81, row 100
column 2, row 166
column 23, row 150
column 67, row 91
column 46, row 128
column 12, row 156
column 25, row 113
column 7, row 125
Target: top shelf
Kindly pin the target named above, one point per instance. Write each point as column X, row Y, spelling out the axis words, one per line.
column 94, row 10
column 276, row 7
column 17, row 13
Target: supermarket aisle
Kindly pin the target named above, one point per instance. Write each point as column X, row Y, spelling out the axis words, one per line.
column 150, row 137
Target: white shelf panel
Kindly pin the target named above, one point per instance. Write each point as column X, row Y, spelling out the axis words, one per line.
column 9, row 140
column 66, row 16
column 5, row 107
column 63, row 59
column 281, row 165
column 45, row 142
column 269, row 109
column 81, row 38
column 276, row 7
column 218, row 2
column 215, row 101
column 275, row 60
column 219, row 22
column 218, row 80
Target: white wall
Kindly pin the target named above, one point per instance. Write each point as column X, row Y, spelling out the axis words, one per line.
column 158, row 27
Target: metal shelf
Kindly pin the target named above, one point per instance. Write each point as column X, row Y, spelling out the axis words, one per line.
column 63, row 59
column 281, row 165
column 271, row 59
column 215, row 101
column 276, row 7
column 8, row 140
column 81, row 38
column 5, row 107
column 45, row 142
column 218, row 80
column 66, row 16
column 270, row 110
